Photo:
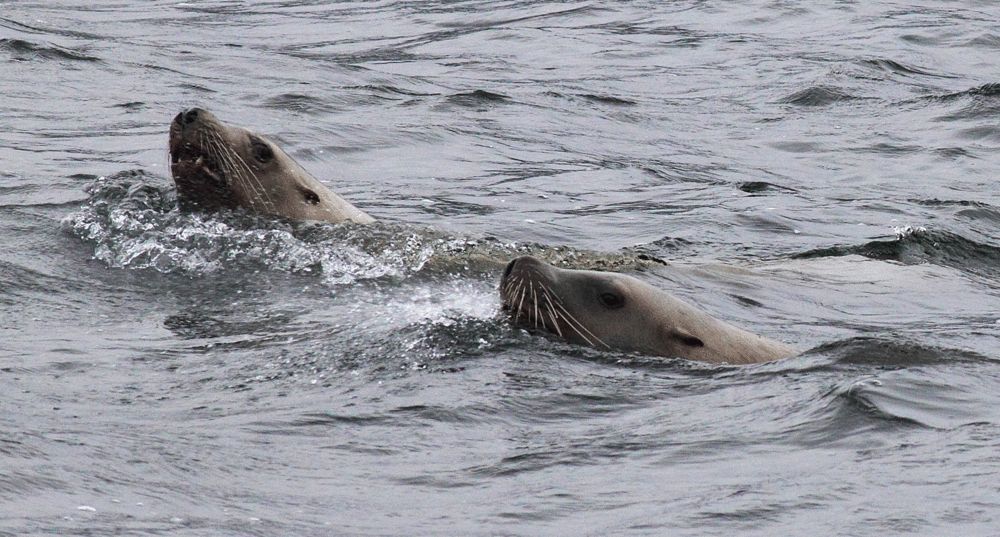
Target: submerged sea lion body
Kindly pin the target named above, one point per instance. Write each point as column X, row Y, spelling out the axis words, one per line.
column 216, row 166
column 608, row 310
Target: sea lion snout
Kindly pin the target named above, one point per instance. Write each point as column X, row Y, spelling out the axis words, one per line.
column 523, row 263
column 191, row 116
column 524, row 269
column 187, row 117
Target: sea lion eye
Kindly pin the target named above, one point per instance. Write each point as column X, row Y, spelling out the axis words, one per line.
column 612, row 301
column 261, row 150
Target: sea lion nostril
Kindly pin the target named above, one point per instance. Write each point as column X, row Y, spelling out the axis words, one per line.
column 180, row 116
column 191, row 116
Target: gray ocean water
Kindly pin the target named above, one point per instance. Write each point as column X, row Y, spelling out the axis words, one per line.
column 823, row 173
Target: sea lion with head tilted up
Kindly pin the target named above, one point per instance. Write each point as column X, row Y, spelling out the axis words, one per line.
column 608, row 310
column 216, row 166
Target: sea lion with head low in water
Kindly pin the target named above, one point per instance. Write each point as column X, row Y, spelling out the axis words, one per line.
column 216, row 166
column 608, row 310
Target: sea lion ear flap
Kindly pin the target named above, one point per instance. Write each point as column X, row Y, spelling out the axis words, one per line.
column 682, row 336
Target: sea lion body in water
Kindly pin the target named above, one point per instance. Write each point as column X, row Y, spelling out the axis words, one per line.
column 608, row 310
column 216, row 166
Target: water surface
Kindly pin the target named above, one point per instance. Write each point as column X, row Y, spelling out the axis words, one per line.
column 820, row 174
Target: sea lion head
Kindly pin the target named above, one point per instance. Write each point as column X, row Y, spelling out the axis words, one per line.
column 216, row 166
column 608, row 311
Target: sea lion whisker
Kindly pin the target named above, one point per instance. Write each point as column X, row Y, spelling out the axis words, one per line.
column 211, row 152
column 218, row 152
column 252, row 176
column 508, row 291
column 534, row 301
column 226, row 159
column 507, row 286
column 574, row 323
column 551, row 300
column 242, row 172
column 552, row 314
column 520, row 303
column 554, row 308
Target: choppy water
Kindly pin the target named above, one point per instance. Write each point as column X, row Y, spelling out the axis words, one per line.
column 821, row 173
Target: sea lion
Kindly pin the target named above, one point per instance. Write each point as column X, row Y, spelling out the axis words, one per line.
column 216, row 166
column 608, row 310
